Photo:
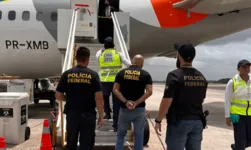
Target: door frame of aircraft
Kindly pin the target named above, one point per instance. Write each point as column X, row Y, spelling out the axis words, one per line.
column 105, row 25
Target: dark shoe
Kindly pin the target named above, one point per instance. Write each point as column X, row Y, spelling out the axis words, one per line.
column 233, row 146
column 107, row 116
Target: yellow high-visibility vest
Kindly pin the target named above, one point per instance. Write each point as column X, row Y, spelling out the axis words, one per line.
column 110, row 65
column 241, row 99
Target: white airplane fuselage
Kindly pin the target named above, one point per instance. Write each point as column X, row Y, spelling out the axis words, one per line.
column 28, row 40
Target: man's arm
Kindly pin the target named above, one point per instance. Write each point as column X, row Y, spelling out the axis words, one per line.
column 98, row 96
column 205, row 93
column 116, row 91
column 116, row 88
column 228, row 97
column 98, row 54
column 60, row 96
column 99, row 103
column 112, row 9
column 167, row 99
column 124, row 60
column 147, row 94
column 61, row 88
column 164, row 107
column 149, row 90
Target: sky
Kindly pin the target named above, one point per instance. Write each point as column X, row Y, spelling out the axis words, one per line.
column 215, row 59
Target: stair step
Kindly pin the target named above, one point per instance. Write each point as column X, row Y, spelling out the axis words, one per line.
column 127, row 143
column 106, row 135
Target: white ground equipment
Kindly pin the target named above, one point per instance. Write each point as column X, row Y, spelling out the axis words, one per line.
column 14, row 117
column 17, row 85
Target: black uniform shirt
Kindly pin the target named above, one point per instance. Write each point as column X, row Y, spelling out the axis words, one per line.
column 80, row 85
column 187, row 87
column 133, row 81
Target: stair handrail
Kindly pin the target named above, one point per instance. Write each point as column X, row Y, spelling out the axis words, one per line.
column 119, row 34
column 123, row 40
column 67, row 65
column 71, row 42
column 66, row 58
column 68, row 42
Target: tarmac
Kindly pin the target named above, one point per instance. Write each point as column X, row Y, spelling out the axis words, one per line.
column 218, row 136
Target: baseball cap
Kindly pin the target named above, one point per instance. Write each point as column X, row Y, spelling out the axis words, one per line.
column 243, row 62
column 186, row 51
column 108, row 41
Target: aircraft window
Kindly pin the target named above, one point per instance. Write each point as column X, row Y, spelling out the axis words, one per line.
column 3, row 87
column 12, row 15
column 39, row 16
column 54, row 16
column 0, row 14
column 26, row 15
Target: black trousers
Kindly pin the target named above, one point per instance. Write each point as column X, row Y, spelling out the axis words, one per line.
column 85, row 124
column 242, row 133
column 105, row 29
column 107, row 91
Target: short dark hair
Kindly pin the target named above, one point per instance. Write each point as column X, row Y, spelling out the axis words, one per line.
column 108, row 42
column 186, row 51
column 108, row 46
column 82, row 54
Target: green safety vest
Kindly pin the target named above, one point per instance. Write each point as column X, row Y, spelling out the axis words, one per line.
column 241, row 99
column 110, row 65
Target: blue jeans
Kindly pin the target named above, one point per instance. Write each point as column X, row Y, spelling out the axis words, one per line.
column 186, row 134
column 137, row 117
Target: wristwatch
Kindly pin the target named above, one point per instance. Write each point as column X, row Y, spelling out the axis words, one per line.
column 125, row 101
column 157, row 121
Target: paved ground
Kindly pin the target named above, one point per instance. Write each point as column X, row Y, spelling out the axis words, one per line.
column 217, row 137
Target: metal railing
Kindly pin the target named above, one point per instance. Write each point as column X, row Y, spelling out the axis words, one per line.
column 120, row 37
column 69, row 56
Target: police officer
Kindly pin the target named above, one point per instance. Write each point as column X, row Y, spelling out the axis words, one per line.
column 80, row 88
column 237, row 106
column 110, row 65
column 184, row 94
column 132, row 86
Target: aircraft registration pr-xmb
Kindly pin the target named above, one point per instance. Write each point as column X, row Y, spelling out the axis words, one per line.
column 28, row 41
column 33, row 45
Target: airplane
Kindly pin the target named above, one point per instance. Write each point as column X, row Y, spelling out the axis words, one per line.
column 28, row 41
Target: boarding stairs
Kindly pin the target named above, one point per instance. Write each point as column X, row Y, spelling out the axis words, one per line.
column 83, row 32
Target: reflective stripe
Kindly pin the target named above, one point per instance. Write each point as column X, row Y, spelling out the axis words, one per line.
column 46, row 130
column 111, row 67
column 240, row 105
column 46, row 138
column 241, row 90
column 111, row 74
column 110, row 70
column 241, row 99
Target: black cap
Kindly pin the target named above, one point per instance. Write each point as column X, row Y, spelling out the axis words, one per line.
column 108, row 41
column 243, row 62
column 186, row 51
